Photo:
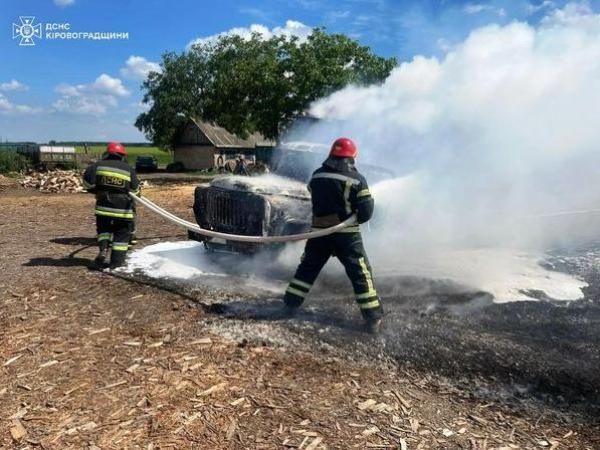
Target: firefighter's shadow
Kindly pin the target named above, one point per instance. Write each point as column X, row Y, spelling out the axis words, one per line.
column 60, row 262
column 272, row 311
column 74, row 240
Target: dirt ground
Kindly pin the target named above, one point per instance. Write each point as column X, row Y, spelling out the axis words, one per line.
column 92, row 360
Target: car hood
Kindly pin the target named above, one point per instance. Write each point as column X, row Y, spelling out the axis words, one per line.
column 268, row 184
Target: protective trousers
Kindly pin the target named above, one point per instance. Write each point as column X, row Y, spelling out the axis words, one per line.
column 349, row 249
column 115, row 233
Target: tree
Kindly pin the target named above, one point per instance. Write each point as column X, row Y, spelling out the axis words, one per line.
column 253, row 85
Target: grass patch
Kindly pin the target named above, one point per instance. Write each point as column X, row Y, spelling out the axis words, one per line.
column 11, row 161
column 163, row 157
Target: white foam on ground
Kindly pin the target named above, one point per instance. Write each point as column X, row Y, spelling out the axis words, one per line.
column 180, row 260
column 504, row 273
column 507, row 274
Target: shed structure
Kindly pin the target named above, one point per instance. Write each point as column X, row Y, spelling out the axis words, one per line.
column 202, row 145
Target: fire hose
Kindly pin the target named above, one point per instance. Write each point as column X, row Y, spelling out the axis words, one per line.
column 238, row 237
column 292, row 237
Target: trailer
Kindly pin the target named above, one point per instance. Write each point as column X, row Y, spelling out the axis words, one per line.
column 49, row 156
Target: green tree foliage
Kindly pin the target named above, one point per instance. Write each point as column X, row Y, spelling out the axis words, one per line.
column 253, row 85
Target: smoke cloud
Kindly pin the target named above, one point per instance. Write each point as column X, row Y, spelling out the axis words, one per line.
column 505, row 126
column 483, row 143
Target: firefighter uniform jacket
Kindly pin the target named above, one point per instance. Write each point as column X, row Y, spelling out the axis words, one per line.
column 337, row 192
column 111, row 179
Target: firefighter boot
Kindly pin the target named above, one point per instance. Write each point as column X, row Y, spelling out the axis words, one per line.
column 102, row 258
column 289, row 311
column 372, row 326
column 292, row 300
column 117, row 258
column 133, row 241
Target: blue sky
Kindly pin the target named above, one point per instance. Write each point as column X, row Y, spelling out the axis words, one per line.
column 90, row 89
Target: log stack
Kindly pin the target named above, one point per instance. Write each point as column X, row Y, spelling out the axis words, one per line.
column 8, row 183
column 56, row 181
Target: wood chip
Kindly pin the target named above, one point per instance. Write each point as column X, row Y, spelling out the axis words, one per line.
column 238, row 401
column 313, row 445
column 195, row 366
column 90, row 426
column 70, row 391
column 403, row 444
column 49, row 363
column 310, row 434
column 231, row 429
column 213, row 389
column 118, row 383
column 414, row 425
column 156, row 344
column 17, row 431
column 132, row 368
column 370, row 431
column 132, row 344
column 367, row 404
column 20, row 414
column 181, row 385
column 12, row 360
column 478, row 419
column 203, row 341
column 402, row 400
column 101, row 330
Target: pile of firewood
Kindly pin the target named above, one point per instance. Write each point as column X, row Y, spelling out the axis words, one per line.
column 53, row 181
column 7, row 183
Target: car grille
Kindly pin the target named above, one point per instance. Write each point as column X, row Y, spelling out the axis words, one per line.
column 231, row 211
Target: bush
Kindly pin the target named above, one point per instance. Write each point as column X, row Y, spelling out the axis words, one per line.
column 11, row 161
column 175, row 167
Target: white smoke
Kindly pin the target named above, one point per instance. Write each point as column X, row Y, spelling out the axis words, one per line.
column 504, row 126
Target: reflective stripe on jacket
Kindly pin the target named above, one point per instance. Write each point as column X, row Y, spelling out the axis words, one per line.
column 338, row 190
column 112, row 179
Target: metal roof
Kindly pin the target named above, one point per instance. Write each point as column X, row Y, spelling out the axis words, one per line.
column 221, row 138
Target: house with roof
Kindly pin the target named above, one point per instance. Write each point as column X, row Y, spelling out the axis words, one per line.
column 202, row 145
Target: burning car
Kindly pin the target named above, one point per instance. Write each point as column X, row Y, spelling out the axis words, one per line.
column 272, row 204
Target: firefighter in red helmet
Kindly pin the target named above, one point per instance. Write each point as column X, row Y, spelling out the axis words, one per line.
column 338, row 191
column 112, row 179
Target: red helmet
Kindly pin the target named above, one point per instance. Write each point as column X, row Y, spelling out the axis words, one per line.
column 116, row 148
column 344, row 148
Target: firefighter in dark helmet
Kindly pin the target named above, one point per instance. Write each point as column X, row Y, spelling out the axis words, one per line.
column 337, row 192
column 112, row 179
